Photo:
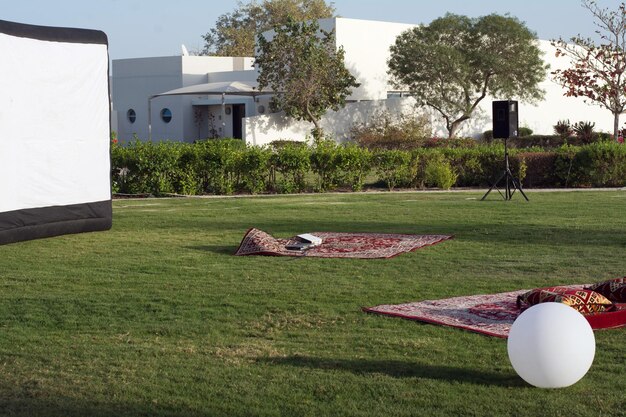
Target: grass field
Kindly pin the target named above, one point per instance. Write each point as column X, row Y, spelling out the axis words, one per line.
column 157, row 318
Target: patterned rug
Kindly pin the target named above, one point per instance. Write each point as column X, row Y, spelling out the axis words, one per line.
column 338, row 245
column 491, row 315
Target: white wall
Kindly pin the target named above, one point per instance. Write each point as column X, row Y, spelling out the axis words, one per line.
column 263, row 129
column 366, row 45
column 135, row 80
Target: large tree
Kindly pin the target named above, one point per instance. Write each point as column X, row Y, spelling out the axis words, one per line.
column 301, row 63
column 597, row 71
column 235, row 33
column 453, row 63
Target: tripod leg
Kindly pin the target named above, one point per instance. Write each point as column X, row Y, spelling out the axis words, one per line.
column 495, row 184
column 519, row 188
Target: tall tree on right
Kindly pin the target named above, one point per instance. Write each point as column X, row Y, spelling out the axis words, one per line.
column 597, row 71
column 453, row 63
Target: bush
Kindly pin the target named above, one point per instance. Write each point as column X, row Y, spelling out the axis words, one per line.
column 144, row 167
column 218, row 163
column 539, row 168
column 384, row 131
column 563, row 128
column 525, row 131
column 324, row 157
column 584, row 131
column 354, row 164
column 438, row 173
column 292, row 162
column 226, row 166
column 252, row 168
column 392, row 166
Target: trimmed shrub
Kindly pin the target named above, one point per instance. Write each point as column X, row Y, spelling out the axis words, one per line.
column 540, row 168
column 392, row 167
column 354, row 164
column 324, row 158
column 439, row 173
column 253, row 167
column 226, row 166
column 291, row 162
column 218, row 163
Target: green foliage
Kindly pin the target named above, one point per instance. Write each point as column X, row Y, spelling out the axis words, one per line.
column 324, row 157
column 354, row 163
column 539, row 168
column 392, row 166
column 291, row 162
column 439, row 173
column 386, row 131
column 563, row 128
column 234, row 33
column 584, row 131
column 145, row 167
column 228, row 166
column 253, row 169
column 218, row 164
column 302, row 62
column 455, row 61
column 600, row 164
column 525, row 131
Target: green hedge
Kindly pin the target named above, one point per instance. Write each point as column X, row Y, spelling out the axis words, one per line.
column 229, row 166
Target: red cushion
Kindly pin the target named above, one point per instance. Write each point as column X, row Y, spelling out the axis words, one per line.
column 584, row 301
column 613, row 289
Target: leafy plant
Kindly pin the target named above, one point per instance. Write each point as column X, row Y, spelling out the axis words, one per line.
column 292, row 161
column 563, row 128
column 392, row 166
column 439, row 173
column 324, row 156
column 584, row 131
column 386, row 131
column 354, row 164
column 525, row 131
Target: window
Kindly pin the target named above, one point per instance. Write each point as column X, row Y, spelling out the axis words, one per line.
column 166, row 115
column 131, row 115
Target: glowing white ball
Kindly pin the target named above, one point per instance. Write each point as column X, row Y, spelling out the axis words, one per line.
column 551, row 345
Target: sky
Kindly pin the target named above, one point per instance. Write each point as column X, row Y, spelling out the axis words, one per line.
column 144, row 28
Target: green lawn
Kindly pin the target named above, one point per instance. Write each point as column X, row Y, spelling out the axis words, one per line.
column 157, row 318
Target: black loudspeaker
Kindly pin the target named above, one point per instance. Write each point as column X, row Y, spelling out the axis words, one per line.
column 505, row 119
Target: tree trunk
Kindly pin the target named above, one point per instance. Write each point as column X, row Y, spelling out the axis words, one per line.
column 615, row 125
column 454, row 127
column 317, row 131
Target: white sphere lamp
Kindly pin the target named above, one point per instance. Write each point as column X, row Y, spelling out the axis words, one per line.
column 551, row 345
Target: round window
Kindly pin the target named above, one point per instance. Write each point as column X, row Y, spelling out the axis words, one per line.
column 166, row 115
column 131, row 115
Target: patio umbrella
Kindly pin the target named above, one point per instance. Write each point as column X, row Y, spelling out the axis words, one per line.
column 234, row 88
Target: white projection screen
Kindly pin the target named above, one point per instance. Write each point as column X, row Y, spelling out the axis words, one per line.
column 54, row 132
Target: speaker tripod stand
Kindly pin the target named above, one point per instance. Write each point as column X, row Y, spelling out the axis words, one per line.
column 511, row 184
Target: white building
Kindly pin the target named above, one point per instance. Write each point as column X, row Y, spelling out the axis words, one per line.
column 179, row 118
column 366, row 45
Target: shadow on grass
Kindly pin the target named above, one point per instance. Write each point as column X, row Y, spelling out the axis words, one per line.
column 219, row 249
column 35, row 407
column 401, row 369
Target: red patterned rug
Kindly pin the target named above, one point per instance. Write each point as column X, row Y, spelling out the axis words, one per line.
column 338, row 245
column 491, row 315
